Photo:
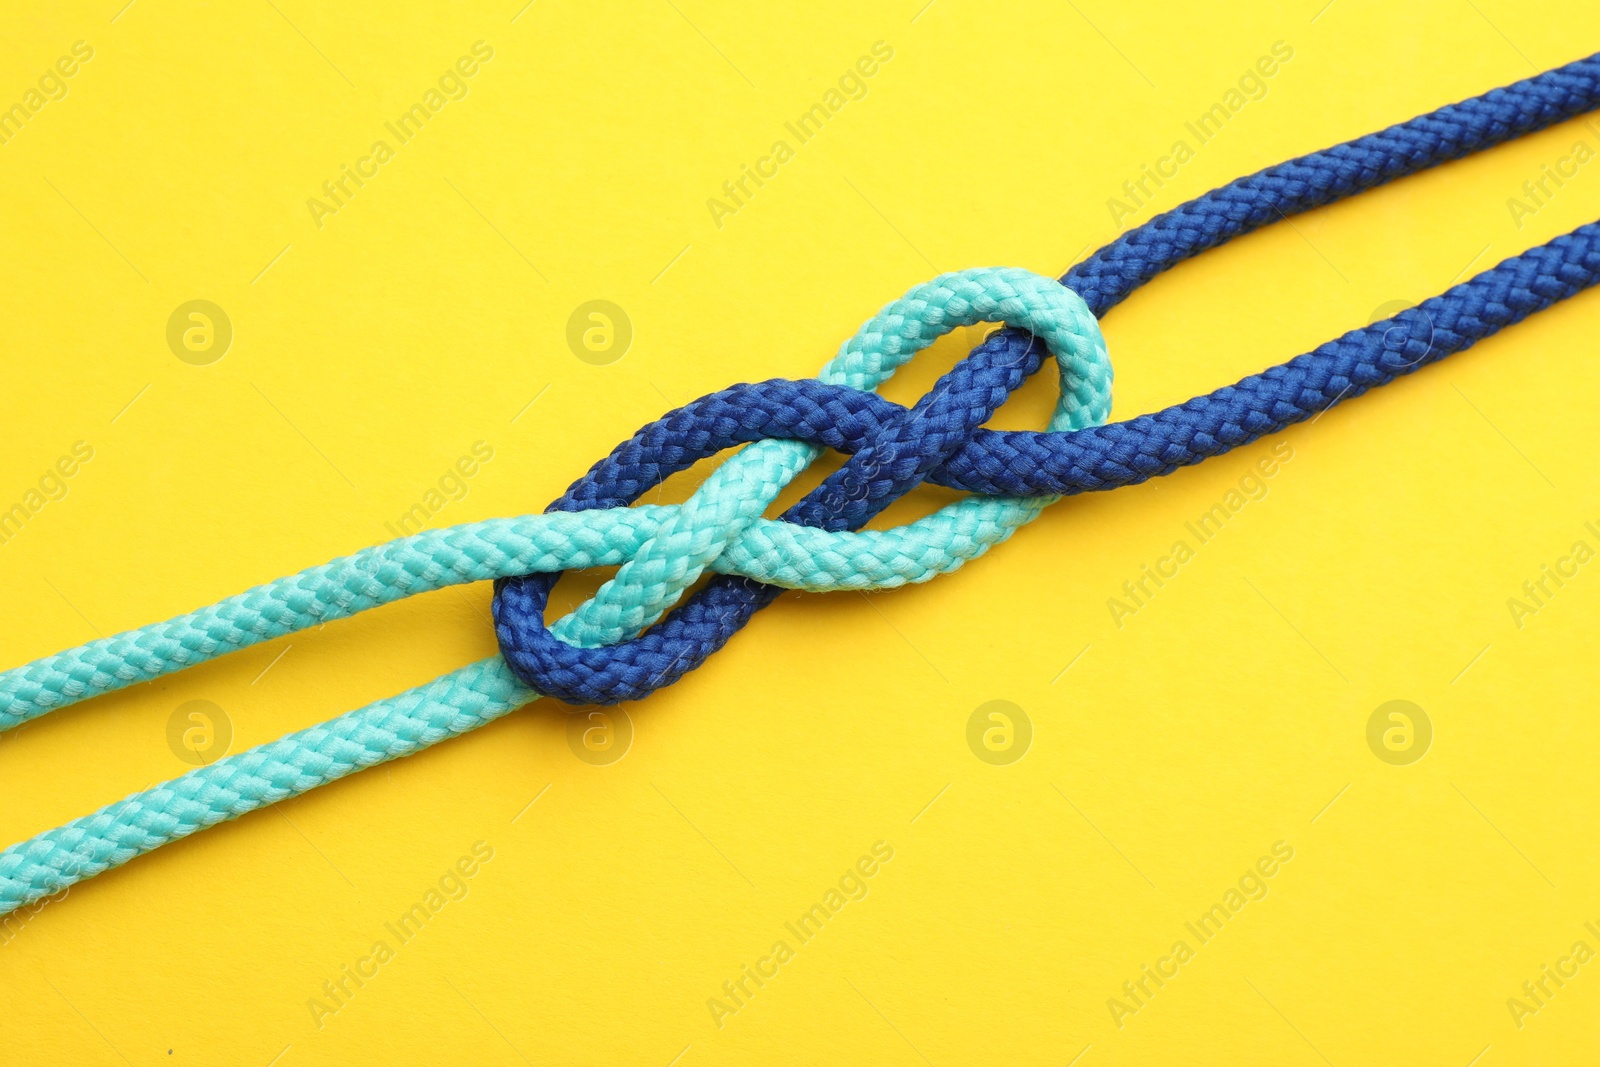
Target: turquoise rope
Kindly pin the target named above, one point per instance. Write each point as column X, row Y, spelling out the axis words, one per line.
column 770, row 551
column 662, row 550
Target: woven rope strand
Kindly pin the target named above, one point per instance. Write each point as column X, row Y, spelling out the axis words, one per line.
column 1122, row 454
column 769, row 551
column 446, row 707
column 720, row 526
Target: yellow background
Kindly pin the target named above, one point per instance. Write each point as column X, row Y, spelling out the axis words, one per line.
column 1227, row 715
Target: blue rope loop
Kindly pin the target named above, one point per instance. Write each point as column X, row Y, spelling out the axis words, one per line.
column 937, row 442
column 903, row 450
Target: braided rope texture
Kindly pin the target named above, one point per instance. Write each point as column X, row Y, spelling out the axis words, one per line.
column 776, row 553
column 742, row 488
column 914, row 443
column 387, row 729
column 719, row 527
column 722, row 521
column 888, row 451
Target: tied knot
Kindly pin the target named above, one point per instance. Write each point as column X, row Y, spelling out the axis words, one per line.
column 629, row 639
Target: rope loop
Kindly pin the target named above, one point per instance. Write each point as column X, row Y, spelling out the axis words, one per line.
column 600, row 654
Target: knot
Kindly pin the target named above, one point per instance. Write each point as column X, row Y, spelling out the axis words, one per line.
column 610, row 649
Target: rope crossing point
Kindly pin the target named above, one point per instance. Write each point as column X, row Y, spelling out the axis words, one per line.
column 630, row 639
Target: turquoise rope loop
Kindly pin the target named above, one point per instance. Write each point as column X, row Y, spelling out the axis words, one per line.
column 661, row 550
column 737, row 493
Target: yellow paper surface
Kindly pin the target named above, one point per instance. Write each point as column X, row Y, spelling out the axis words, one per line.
column 413, row 323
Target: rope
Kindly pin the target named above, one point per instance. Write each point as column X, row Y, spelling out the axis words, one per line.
column 908, row 449
column 720, row 527
column 598, row 654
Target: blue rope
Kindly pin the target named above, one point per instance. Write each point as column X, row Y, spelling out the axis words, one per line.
column 939, row 439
